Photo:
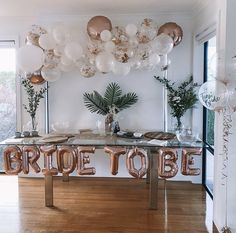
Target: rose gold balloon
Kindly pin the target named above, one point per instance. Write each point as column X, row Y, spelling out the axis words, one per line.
column 167, row 158
column 187, row 160
column 96, row 25
column 84, row 159
column 37, row 79
column 30, row 156
column 114, row 153
column 66, row 159
column 137, row 173
column 48, row 151
column 12, row 160
column 173, row 30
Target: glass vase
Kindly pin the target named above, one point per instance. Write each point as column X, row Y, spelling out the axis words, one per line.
column 108, row 123
column 178, row 123
column 34, row 124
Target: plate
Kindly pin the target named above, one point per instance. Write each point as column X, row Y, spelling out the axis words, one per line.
column 159, row 135
column 54, row 139
column 130, row 135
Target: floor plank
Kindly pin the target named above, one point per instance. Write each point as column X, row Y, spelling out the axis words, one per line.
column 102, row 205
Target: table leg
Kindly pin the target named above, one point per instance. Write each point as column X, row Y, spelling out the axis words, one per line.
column 48, row 191
column 65, row 177
column 148, row 170
column 153, row 189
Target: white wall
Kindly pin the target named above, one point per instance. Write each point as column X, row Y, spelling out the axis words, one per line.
column 65, row 95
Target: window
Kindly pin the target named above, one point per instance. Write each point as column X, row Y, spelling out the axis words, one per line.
column 209, row 116
column 7, row 92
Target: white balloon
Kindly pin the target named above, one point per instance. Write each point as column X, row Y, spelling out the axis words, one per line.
column 133, row 42
column 65, row 68
column 213, row 94
column 46, row 41
column 154, row 59
column 65, row 60
column 51, row 75
column 104, row 62
column 58, row 50
column 30, row 58
column 59, row 34
column 119, row 68
column 131, row 30
column 73, row 51
column 162, row 44
column 109, row 46
column 105, row 35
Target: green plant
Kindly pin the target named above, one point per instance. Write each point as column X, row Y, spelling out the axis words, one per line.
column 112, row 102
column 180, row 98
column 34, row 98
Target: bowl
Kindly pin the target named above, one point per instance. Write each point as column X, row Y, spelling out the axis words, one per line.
column 184, row 137
column 137, row 135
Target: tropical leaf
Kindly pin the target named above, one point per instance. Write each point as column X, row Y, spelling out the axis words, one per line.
column 112, row 94
column 112, row 102
column 95, row 103
column 126, row 101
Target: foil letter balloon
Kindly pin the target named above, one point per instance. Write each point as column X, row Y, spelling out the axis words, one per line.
column 66, row 159
column 30, row 156
column 12, row 160
column 167, row 163
column 114, row 153
column 84, row 159
column 48, row 151
column 187, row 159
column 137, row 173
column 96, row 25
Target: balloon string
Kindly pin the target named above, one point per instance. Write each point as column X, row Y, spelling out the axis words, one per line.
column 227, row 125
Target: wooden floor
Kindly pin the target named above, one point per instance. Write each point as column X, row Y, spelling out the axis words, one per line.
column 98, row 205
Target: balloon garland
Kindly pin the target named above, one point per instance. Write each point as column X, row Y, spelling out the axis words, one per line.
column 49, row 53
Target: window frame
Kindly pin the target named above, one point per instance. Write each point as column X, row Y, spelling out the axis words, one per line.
column 208, row 147
column 15, row 41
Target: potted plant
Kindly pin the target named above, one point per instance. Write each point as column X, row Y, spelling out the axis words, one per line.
column 110, row 104
column 34, row 98
column 180, row 98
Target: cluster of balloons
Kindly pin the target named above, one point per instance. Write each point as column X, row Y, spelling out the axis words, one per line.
column 105, row 49
column 218, row 96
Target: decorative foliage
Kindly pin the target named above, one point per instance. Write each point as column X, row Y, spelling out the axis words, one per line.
column 112, row 102
column 34, row 98
column 180, row 98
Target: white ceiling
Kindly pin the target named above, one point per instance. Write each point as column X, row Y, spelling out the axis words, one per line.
column 83, row 7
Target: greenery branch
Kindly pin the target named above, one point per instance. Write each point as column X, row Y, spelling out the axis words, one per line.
column 180, row 98
column 34, row 97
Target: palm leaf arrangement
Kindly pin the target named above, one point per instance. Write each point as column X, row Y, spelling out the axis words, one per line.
column 112, row 102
